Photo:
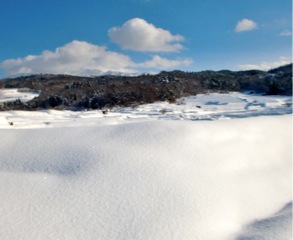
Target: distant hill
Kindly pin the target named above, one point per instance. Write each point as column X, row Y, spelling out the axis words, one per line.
column 77, row 93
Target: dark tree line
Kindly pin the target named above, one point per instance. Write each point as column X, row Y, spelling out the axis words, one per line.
column 77, row 93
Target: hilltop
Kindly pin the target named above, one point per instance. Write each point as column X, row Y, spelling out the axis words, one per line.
column 78, row 93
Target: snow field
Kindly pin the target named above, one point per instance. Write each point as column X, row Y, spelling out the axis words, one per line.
column 213, row 106
column 173, row 180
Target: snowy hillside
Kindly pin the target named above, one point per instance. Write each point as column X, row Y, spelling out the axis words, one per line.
column 137, row 174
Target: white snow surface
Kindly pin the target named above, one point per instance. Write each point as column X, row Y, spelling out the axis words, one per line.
column 213, row 106
column 87, row 175
column 12, row 94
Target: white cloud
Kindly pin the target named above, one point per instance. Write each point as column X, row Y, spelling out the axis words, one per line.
column 245, row 25
column 164, row 63
column 286, row 33
column 75, row 57
column 139, row 35
column 83, row 58
column 266, row 65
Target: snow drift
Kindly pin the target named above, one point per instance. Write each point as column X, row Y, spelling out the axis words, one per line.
column 148, row 180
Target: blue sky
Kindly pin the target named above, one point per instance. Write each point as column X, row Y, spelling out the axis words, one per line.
column 94, row 36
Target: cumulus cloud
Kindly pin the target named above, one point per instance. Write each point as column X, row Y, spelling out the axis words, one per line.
column 139, row 35
column 76, row 57
column 266, row 65
column 245, row 25
column 164, row 63
column 83, row 58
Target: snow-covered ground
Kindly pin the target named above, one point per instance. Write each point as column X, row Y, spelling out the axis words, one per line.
column 139, row 174
column 212, row 106
column 12, row 94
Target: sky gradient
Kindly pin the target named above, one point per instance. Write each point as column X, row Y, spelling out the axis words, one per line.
column 93, row 37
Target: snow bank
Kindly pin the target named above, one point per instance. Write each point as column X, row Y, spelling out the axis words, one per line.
column 158, row 180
